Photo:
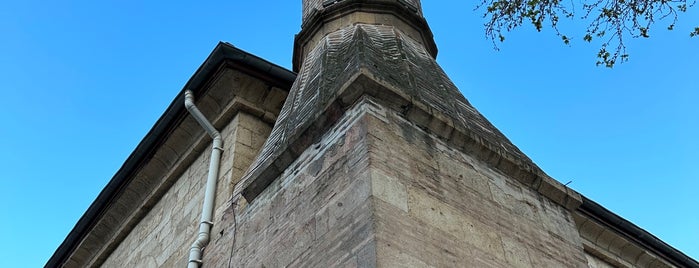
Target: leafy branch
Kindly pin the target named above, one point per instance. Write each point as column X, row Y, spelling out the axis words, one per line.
column 610, row 20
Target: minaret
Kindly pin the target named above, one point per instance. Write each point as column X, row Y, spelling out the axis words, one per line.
column 377, row 159
column 323, row 17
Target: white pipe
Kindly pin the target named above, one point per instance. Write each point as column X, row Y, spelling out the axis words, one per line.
column 195, row 252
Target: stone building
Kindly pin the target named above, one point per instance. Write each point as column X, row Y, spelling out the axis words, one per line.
column 366, row 155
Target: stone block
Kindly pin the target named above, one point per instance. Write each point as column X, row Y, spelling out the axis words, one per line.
column 394, row 258
column 390, row 190
column 595, row 262
column 463, row 172
column 516, row 253
column 462, row 226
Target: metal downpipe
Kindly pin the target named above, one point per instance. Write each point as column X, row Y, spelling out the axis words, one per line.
column 195, row 252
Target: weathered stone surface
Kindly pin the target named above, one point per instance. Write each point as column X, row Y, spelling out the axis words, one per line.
column 316, row 214
column 390, row 190
column 353, row 47
column 461, row 212
column 409, row 78
column 372, row 192
column 149, row 180
column 163, row 237
column 606, row 248
column 595, row 262
column 375, row 160
column 314, row 6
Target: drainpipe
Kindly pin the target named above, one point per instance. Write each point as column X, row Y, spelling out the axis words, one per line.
column 195, row 252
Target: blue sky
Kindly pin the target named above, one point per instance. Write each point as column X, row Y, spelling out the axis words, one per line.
column 83, row 82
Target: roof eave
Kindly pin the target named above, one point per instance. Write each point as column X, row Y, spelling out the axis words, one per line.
column 223, row 52
column 626, row 228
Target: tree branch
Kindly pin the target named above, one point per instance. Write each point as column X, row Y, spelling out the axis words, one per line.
column 614, row 19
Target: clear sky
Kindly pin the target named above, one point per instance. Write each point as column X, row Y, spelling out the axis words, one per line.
column 83, row 81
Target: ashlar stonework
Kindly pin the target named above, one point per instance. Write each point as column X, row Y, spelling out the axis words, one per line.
column 369, row 156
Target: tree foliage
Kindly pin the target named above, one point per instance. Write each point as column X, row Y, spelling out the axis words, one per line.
column 610, row 21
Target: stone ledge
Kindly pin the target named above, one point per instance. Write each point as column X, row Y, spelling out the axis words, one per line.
column 612, row 247
column 612, row 238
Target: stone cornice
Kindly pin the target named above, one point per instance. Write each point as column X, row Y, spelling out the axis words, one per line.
column 620, row 242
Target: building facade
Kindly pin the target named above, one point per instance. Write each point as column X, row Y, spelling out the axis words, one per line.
column 367, row 155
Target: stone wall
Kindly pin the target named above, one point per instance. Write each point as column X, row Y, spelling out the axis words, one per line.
column 438, row 207
column 316, row 214
column 163, row 237
column 377, row 191
column 595, row 262
column 374, row 191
